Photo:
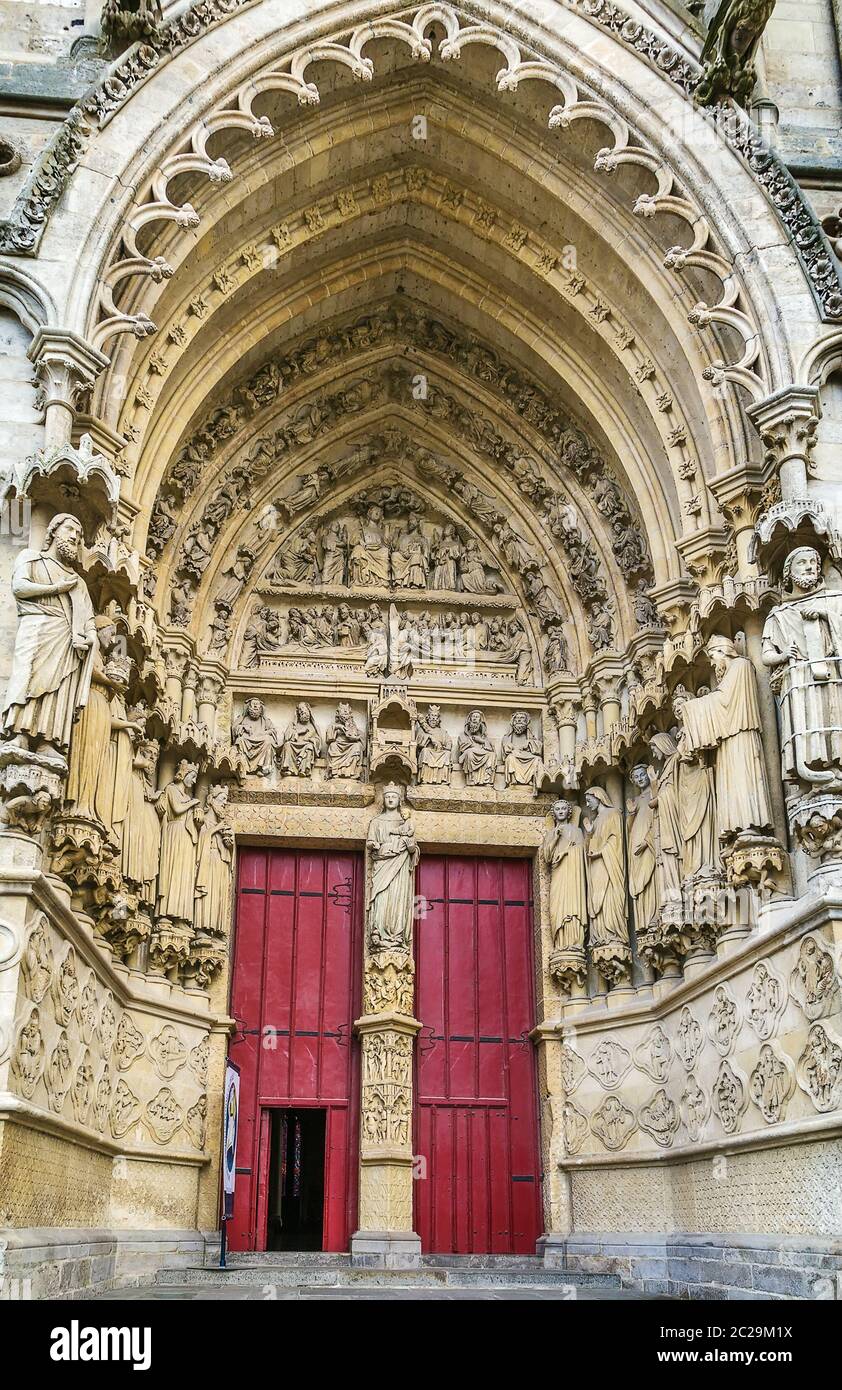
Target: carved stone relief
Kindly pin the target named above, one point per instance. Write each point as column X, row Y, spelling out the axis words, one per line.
column 609, row 1063
column 723, row 1021
column 573, row 1068
column 819, row 1069
column 765, row 1000
column 660, row 1118
column 771, row 1083
column 574, row 1127
column 813, row 982
column 167, row 1051
column 689, row 1039
column 729, row 1098
column 163, row 1115
column 613, row 1123
column 694, row 1107
column 654, row 1054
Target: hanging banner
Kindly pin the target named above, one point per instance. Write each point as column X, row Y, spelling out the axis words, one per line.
column 230, row 1125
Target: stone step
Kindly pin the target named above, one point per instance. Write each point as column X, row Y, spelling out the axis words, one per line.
column 343, row 1275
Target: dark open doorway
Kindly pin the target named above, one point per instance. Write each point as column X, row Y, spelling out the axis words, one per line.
column 296, row 1180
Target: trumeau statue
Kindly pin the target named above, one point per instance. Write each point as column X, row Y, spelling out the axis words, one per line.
column 475, row 752
column 344, row 744
column 54, row 649
column 394, row 856
column 301, row 744
column 802, row 644
column 563, row 851
column 728, row 720
column 643, row 849
column 522, row 753
column 182, row 816
column 256, row 737
column 434, row 749
column 609, row 933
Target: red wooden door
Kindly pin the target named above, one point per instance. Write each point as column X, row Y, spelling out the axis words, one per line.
column 295, row 995
column 477, row 1108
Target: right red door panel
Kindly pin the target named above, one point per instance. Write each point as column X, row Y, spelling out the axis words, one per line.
column 478, row 1189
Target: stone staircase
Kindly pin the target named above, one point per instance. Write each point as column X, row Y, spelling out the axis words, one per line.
column 275, row 1275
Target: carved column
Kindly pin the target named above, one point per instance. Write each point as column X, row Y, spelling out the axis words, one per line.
column 787, row 424
column 387, row 1030
column 67, row 368
column 210, row 689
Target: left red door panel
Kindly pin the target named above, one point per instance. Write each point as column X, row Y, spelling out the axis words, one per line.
column 295, row 995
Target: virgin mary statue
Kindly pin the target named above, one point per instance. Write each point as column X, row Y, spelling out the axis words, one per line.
column 394, row 855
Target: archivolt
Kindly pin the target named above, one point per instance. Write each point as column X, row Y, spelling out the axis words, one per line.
column 576, row 103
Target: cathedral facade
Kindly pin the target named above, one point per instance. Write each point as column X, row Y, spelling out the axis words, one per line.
column 421, row 629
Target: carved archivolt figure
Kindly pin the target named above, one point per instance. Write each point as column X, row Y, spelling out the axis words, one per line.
column 256, row 737
column 301, row 744
column 643, row 850
column 344, row 744
column 802, row 644
column 54, row 647
column 563, row 852
column 182, row 816
column 394, row 856
column 521, row 749
column 729, row 720
column 475, row 752
column 609, row 933
column 434, row 749
column 214, row 861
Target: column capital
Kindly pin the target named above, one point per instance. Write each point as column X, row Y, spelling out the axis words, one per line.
column 66, row 365
column 787, row 422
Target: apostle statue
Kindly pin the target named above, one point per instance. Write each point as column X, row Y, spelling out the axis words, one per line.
column 344, row 744
column 697, row 800
column 141, row 842
column 301, row 744
column 394, row 855
column 728, row 720
column 214, row 864
column 643, row 849
column 609, row 933
column 369, row 556
column 666, row 804
column 125, row 732
column 181, row 816
column 411, row 556
column 256, row 737
column 522, row 753
column 563, row 852
column 802, row 645
column 88, row 762
column 475, row 752
column 54, row 648
column 434, row 749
